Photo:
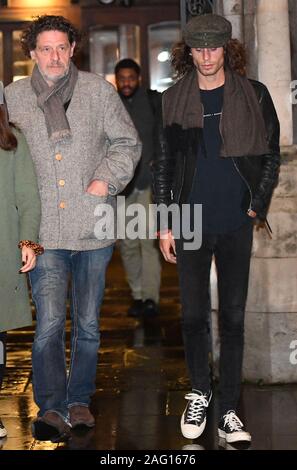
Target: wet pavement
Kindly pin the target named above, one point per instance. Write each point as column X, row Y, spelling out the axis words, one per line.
column 141, row 383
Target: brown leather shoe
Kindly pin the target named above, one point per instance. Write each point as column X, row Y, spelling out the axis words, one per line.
column 81, row 416
column 50, row 427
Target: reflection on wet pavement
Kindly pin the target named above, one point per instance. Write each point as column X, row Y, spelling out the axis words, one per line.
column 141, row 383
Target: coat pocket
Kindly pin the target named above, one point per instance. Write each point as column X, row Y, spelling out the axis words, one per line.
column 88, row 219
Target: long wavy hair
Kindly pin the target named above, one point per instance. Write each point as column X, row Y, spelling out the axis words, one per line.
column 234, row 51
column 8, row 140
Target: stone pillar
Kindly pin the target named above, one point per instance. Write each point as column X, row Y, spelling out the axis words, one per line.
column 233, row 11
column 274, row 59
column 250, row 42
column 271, row 311
column 271, row 314
column 242, row 16
column 293, row 36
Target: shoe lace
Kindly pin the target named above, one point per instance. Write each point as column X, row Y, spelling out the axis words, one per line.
column 196, row 406
column 231, row 420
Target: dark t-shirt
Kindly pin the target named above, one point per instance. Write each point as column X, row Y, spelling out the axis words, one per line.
column 217, row 184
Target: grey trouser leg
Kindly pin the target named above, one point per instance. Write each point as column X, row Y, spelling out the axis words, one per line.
column 141, row 257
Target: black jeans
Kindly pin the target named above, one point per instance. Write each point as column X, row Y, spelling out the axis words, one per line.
column 2, row 355
column 232, row 254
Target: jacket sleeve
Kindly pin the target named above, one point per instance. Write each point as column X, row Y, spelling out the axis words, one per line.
column 26, row 192
column 163, row 166
column 124, row 146
column 271, row 161
column 155, row 99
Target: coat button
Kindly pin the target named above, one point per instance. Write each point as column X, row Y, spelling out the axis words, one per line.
column 58, row 157
column 61, row 182
column 62, row 205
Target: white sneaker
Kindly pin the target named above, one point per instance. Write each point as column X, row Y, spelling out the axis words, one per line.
column 193, row 420
column 232, row 429
column 3, row 430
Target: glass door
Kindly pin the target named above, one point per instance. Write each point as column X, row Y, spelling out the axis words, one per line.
column 13, row 63
column 21, row 66
column 110, row 44
column 162, row 37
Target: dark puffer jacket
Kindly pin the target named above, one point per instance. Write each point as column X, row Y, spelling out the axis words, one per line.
column 174, row 170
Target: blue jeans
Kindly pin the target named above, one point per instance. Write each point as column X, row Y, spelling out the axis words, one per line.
column 53, row 388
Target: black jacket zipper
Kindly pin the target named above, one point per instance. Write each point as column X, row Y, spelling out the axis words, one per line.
column 245, row 181
column 237, row 169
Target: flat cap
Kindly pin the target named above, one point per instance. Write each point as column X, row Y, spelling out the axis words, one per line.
column 207, row 31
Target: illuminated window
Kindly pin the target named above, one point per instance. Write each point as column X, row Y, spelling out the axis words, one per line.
column 162, row 36
column 108, row 45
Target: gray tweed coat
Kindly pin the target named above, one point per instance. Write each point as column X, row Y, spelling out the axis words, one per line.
column 104, row 145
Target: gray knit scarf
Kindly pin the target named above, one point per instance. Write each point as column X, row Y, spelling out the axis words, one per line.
column 242, row 125
column 51, row 100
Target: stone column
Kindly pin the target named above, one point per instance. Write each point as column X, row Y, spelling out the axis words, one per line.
column 293, row 36
column 242, row 16
column 271, row 310
column 274, row 59
column 233, row 11
column 250, row 42
column 271, row 314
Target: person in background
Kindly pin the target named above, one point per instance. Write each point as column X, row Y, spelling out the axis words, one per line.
column 20, row 219
column 141, row 257
column 85, row 149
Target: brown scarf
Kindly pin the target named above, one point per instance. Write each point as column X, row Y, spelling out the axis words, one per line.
column 51, row 100
column 242, row 124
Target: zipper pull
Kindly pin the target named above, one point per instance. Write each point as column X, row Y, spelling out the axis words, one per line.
column 268, row 228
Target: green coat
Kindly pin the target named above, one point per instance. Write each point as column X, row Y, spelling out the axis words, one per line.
column 19, row 220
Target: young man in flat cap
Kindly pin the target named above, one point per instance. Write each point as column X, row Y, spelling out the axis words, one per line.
column 222, row 138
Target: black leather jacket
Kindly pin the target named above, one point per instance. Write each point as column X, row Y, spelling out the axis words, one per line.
column 175, row 168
